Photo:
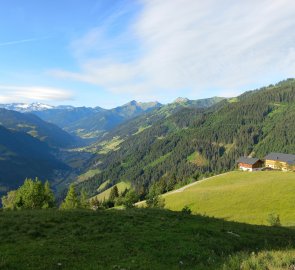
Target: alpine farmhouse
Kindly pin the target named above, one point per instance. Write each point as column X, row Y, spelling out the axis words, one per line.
column 275, row 161
column 250, row 164
column 280, row 161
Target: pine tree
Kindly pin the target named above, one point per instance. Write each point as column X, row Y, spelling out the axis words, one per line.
column 153, row 198
column 71, row 201
column 114, row 194
column 49, row 199
column 130, row 199
column 84, row 203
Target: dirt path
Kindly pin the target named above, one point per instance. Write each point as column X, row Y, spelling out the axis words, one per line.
column 194, row 183
column 187, row 186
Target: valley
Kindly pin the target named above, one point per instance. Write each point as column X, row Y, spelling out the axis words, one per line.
column 147, row 135
column 179, row 159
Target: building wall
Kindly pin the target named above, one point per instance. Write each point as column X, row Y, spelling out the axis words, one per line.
column 273, row 164
column 250, row 168
column 245, row 165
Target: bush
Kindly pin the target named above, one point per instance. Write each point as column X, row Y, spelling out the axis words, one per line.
column 274, row 220
column 186, row 210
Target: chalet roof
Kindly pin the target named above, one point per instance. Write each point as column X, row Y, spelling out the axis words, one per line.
column 247, row 160
column 288, row 158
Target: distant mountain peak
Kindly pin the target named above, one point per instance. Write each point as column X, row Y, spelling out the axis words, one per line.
column 180, row 100
column 26, row 107
column 143, row 104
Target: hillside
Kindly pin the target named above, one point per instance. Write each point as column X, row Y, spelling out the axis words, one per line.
column 191, row 143
column 240, row 196
column 34, row 126
column 22, row 156
column 139, row 239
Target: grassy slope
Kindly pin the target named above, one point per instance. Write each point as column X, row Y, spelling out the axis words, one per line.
column 103, row 185
column 138, row 239
column 105, row 194
column 85, row 176
column 241, row 196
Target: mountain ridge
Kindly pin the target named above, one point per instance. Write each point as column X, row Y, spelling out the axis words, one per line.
column 191, row 143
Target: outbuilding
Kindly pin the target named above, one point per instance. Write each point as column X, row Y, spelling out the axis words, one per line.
column 250, row 164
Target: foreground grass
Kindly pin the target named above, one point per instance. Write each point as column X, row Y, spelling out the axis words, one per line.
column 241, row 196
column 138, row 239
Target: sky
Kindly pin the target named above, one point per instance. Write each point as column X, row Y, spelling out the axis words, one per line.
column 108, row 52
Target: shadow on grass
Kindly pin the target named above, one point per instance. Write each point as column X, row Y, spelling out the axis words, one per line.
column 138, row 239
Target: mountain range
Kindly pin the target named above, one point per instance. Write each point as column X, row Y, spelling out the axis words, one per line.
column 52, row 131
column 191, row 143
column 144, row 143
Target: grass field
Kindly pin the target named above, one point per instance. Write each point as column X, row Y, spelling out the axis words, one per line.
column 112, row 145
column 87, row 175
column 105, row 194
column 139, row 239
column 240, row 196
column 103, row 185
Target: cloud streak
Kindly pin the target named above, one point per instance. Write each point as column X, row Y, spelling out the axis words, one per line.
column 9, row 93
column 16, row 42
column 191, row 46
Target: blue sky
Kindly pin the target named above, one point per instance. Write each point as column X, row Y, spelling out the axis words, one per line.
column 106, row 53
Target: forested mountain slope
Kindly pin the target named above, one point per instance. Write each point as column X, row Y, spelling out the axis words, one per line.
column 34, row 126
column 22, row 156
column 192, row 142
column 140, row 123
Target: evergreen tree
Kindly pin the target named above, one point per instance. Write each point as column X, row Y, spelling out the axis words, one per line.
column 130, row 199
column 71, row 201
column 84, row 203
column 49, row 200
column 114, row 193
column 95, row 204
column 154, row 200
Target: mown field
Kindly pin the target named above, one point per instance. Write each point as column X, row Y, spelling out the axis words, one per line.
column 240, row 196
column 139, row 239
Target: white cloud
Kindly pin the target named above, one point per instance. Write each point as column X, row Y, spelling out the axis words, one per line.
column 193, row 45
column 9, row 93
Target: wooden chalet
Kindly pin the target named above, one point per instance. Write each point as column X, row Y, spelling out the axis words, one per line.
column 250, row 164
column 280, row 161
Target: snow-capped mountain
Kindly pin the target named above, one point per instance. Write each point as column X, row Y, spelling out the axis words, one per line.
column 26, row 107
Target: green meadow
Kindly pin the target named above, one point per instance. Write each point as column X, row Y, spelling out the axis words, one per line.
column 139, row 239
column 248, row 197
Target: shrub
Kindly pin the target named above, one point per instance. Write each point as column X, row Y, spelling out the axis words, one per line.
column 186, row 210
column 274, row 219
